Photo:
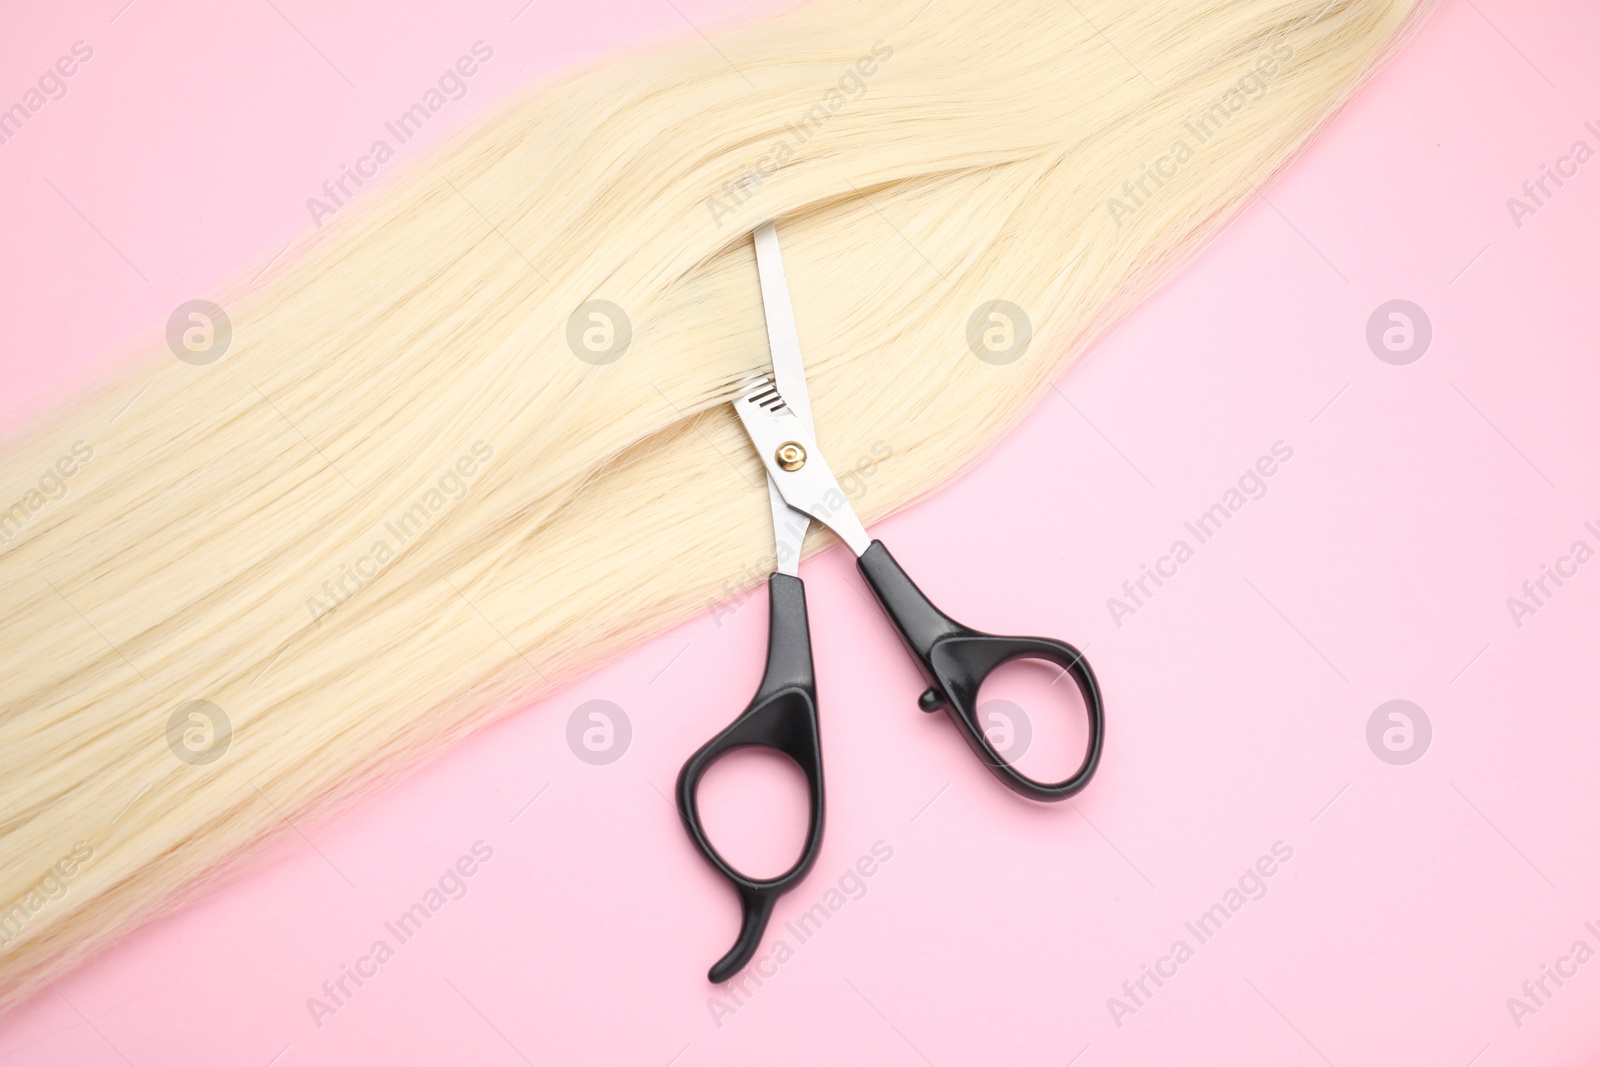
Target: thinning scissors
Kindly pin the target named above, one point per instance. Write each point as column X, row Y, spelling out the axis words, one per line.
column 776, row 413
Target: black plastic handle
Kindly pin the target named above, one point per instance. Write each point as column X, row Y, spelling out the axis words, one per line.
column 781, row 716
column 956, row 660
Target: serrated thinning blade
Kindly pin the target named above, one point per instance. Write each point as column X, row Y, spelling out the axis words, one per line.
column 797, row 474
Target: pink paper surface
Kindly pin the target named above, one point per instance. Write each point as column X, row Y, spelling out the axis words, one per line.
column 1375, row 566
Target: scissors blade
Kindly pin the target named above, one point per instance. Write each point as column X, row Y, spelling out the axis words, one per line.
column 795, row 465
column 789, row 372
column 788, row 366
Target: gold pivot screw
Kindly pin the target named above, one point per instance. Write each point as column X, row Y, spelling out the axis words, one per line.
column 791, row 455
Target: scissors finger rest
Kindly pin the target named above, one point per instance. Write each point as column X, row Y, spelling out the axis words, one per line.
column 781, row 716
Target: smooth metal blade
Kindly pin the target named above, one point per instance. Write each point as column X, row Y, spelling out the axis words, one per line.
column 795, row 466
column 788, row 366
column 789, row 370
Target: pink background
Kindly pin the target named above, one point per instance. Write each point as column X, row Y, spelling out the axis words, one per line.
column 1377, row 567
